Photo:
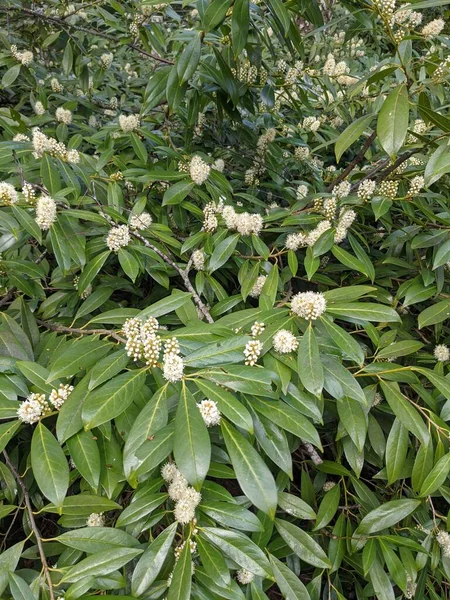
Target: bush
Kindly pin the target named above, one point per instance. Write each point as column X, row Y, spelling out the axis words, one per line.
column 224, row 243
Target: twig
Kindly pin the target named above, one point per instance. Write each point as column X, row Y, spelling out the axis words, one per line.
column 64, row 329
column 312, row 453
column 34, row 527
column 358, row 158
column 64, row 23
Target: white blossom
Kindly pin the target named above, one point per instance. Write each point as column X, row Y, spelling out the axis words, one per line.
column 8, row 194
column 30, row 410
column 257, row 329
column 199, row 170
column 342, row 190
column 366, row 189
column 56, row 86
column 328, row 485
column 416, row 184
column 311, row 123
column 59, row 396
column 441, row 353
column 20, row 137
column 25, row 58
column 210, row 412
column 284, row 341
column 29, row 193
column 95, row 520
column 309, row 305
column 141, row 222
column 169, row 471
column 198, row 260
column 302, row 191
column 129, row 122
column 219, row 165
column 45, row 212
column 118, row 237
column 106, row 60
column 63, row 116
column 443, row 539
column 244, row 576
column 39, row 108
column 258, row 286
column 252, row 352
column 433, row 28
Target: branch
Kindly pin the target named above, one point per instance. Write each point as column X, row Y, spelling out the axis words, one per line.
column 358, row 158
column 183, row 273
column 62, row 22
column 34, row 527
column 312, row 453
column 63, row 329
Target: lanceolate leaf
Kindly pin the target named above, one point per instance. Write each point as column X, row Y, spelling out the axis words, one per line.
column 49, row 464
column 309, row 366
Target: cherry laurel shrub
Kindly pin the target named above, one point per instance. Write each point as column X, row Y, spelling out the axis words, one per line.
column 225, row 299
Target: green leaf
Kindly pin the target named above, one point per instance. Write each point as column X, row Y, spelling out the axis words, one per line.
column 83, row 505
column 50, row 468
column 302, row 544
column 287, row 418
column 106, row 368
column 364, row 311
column 290, row 585
column 353, row 418
column 344, row 340
column 180, row 586
column 252, row 473
column 9, row 560
column 20, row 590
column 215, row 14
column 97, row 539
column 177, row 193
column 100, row 563
column 223, row 251
column 50, row 175
column 387, row 515
column 351, row 134
column 166, row 305
column 8, row 430
column 91, row 270
column 442, row 255
column 67, row 59
column 239, row 548
column 350, row 261
column 192, row 446
column 328, row 507
column 19, row 336
column 128, row 263
column 240, row 21
column 232, row 515
column 213, row 561
column 436, row 477
column 438, row 164
column 151, row 562
column 400, row 349
column 10, row 76
column 112, row 398
column 139, row 147
column 380, row 581
column 392, row 124
column 188, row 61
column 218, row 353
column 86, row 456
column 434, row 314
column 79, row 355
column 404, row 410
column 396, row 450
column 310, row 368
column 140, row 509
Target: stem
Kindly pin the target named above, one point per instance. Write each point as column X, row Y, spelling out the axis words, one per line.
column 34, row 527
column 311, row 451
column 358, row 158
column 63, row 329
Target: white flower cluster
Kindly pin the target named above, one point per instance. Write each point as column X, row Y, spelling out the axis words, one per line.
column 219, row 165
column 95, row 520
column 141, row 222
column 442, row 69
column 142, row 342
column 59, row 396
column 309, row 305
column 118, row 237
column 411, row 588
column 25, row 58
column 37, row 406
column 302, row 192
column 39, row 108
column 20, row 137
column 257, row 329
column 173, row 365
column 210, row 221
column 345, row 221
column 56, row 86
column 433, row 28
column 42, row 144
column 198, row 260
column 244, row 576
column 8, row 194
column 29, row 193
column 443, row 539
column 406, row 17
column 244, row 223
column 377, row 399
column 199, row 170
column 388, row 189
column 342, row 190
column 210, row 412
column 328, row 485
column 106, row 60
column 63, row 116
column 186, row 498
column 416, row 184
column 129, row 122
column 301, row 153
column 284, row 341
column 385, row 7
column 333, row 69
column 311, row 123
column 256, row 290
column 252, row 352
column 258, row 167
column 294, row 241
column 441, row 353
column 366, row 189
column 45, row 212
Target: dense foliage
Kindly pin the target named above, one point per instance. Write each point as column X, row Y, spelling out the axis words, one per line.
column 224, row 281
